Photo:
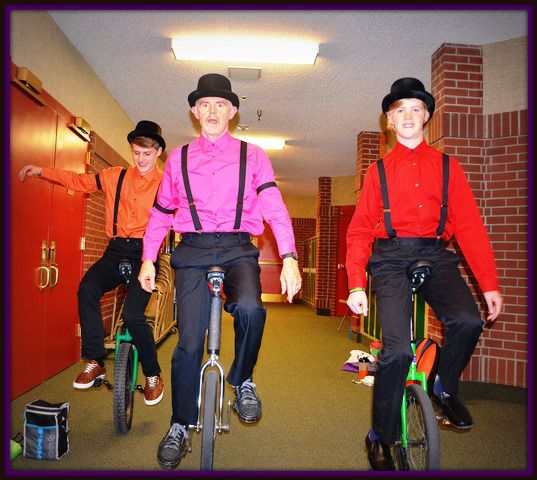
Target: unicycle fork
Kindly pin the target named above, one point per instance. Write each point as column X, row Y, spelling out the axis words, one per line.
column 211, row 387
column 419, row 446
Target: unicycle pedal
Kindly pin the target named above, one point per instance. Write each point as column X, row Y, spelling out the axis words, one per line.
column 106, row 383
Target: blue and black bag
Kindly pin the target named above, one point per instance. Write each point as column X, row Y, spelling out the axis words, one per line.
column 46, row 430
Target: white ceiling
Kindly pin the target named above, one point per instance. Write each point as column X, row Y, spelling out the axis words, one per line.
column 319, row 109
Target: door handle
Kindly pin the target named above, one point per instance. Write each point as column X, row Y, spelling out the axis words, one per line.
column 54, row 270
column 43, row 270
column 44, row 277
column 341, row 266
column 55, row 275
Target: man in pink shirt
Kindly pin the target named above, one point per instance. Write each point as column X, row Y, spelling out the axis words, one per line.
column 216, row 192
column 413, row 202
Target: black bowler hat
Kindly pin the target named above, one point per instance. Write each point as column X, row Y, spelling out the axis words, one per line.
column 147, row 128
column 408, row 88
column 213, row 85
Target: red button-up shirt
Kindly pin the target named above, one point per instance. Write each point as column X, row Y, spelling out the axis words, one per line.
column 137, row 195
column 213, row 171
column 414, row 179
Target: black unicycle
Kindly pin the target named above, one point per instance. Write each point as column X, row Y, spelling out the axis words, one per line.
column 211, row 387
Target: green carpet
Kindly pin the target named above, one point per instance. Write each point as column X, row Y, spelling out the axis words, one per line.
column 314, row 417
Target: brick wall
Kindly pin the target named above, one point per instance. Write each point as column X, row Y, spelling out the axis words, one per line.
column 324, row 280
column 304, row 228
column 493, row 150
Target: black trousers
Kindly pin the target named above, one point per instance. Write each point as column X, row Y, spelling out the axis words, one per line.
column 102, row 277
column 242, row 287
column 447, row 294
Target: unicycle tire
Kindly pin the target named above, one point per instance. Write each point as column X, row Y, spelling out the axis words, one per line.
column 124, row 386
column 208, row 432
column 423, row 450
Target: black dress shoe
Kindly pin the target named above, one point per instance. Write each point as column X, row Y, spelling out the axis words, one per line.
column 379, row 455
column 455, row 412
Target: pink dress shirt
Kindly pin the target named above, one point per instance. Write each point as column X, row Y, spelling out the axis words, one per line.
column 213, row 171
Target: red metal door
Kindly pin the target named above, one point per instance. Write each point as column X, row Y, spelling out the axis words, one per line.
column 342, row 290
column 66, row 230
column 46, row 229
column 32, row 140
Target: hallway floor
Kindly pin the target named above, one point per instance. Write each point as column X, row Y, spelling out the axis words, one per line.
column 314, row 417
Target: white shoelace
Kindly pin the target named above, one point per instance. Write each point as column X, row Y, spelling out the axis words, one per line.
column 152, row 381
column 90, row 366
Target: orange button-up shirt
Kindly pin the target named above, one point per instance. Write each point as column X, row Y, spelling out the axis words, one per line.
column 136, row 199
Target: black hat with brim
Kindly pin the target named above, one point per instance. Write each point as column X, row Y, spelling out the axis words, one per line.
column 408, row 88
column 147, row 128
column 213, row 85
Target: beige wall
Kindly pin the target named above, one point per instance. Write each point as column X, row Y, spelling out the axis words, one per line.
column 505, row 76
column 67, row 76
column 343, row 191
column 301, row 206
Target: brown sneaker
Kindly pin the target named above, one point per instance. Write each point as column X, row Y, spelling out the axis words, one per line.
column 92, row 372
column 154, row 390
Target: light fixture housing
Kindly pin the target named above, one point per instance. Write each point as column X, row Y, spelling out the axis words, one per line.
column 248, row 49
column 266, row 143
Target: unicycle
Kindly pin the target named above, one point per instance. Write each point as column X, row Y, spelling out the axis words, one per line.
column 125, row 370
column 211, row 386
column 419, row 445
column 125, row 374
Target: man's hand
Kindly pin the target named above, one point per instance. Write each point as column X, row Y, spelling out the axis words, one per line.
column 146, row 277
column 290, row 279
column 357, row 302
column 29, row 171
column 494, row 303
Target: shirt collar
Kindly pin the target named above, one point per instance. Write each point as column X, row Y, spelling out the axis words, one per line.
column 402, row 151
column 154, row 174
column 221, row 144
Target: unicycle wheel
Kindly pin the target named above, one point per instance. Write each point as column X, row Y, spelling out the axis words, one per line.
column 124, row 387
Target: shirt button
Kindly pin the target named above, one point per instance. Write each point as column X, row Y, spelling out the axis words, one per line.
column 417, row 184
column 420, row 206
column 413, row 164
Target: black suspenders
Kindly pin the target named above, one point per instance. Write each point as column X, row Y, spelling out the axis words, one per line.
column 240, row 194
column 191, row 204
column 443, row 207
column 116, row 202
column 386, row 204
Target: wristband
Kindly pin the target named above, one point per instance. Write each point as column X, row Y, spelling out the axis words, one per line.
column 357, row 289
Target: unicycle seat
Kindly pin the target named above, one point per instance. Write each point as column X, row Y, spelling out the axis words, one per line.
column 418, row 272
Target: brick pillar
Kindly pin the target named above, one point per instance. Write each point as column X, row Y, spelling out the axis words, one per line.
column 325, row 256
column 493, row 151
column 370, row 146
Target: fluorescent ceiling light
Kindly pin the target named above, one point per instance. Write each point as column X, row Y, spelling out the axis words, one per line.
column 245, row 49
column 266, row 143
